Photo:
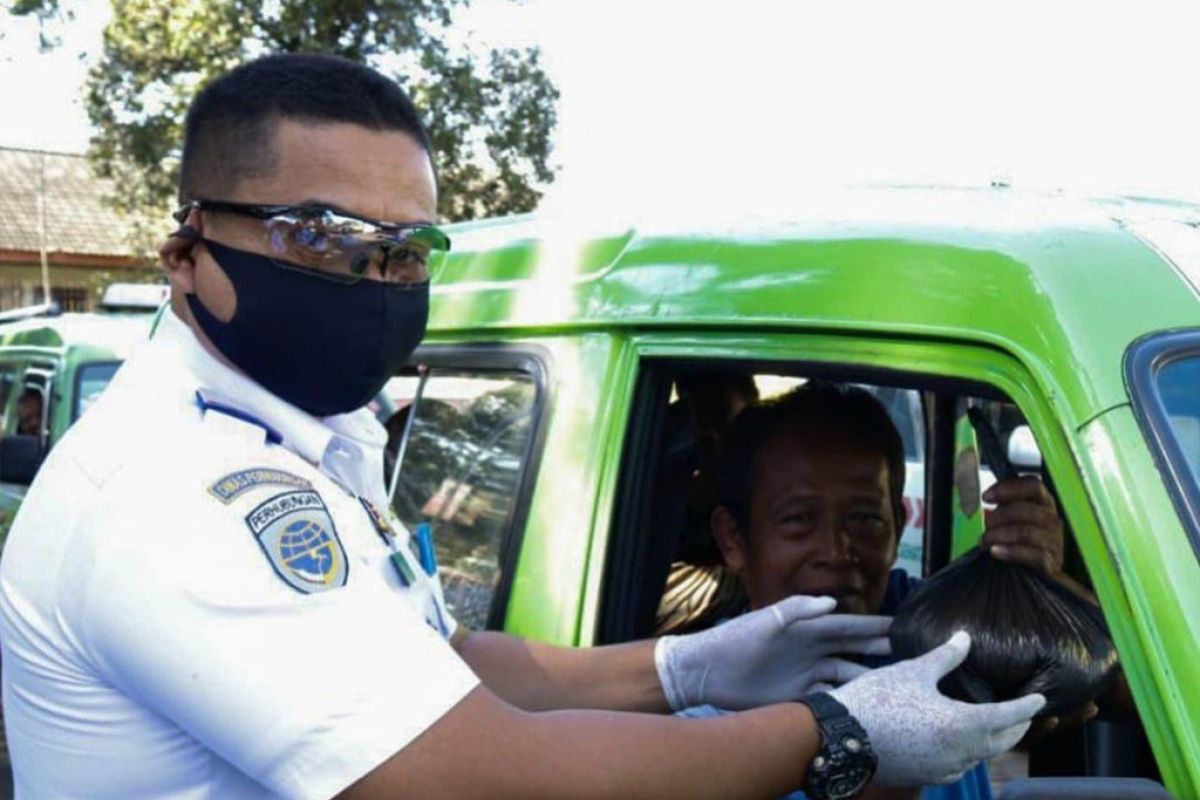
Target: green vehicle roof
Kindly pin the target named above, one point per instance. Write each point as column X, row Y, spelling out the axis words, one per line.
column 1063, row 284
column 111, row 333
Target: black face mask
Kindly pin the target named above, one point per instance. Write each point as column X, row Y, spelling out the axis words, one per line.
column 325, row 347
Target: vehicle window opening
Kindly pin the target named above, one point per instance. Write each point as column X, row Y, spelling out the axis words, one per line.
column 31, row 407
column 34, row 403
column 698, row 589
column 665, row 503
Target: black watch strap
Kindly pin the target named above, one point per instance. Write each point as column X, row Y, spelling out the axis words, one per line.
column 846, row 761
column 824, row 706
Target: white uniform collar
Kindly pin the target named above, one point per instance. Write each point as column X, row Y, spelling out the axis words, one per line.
column 322, row 441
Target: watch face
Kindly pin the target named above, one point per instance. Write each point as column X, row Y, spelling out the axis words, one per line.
column 849, row 783
column 846, row 761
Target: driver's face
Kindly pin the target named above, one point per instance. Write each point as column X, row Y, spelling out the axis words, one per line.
column 821, row 521
column 29, row 414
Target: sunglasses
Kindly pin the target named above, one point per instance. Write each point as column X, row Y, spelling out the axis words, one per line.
column 335, row 245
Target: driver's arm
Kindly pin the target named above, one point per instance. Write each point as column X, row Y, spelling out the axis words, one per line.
column 1026, row 528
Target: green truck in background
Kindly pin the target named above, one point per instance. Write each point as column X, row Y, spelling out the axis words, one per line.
column 52, row 366
column 539, row 428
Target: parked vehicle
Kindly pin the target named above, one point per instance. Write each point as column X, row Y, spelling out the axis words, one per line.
column 52, row 367
column 539, row 422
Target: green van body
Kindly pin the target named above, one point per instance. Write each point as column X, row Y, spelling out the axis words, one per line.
column 1038, row 297
column 63, row 347
column 1041, row 298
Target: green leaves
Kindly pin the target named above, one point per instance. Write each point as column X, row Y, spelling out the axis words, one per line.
column 490, row 116
column 494, row 168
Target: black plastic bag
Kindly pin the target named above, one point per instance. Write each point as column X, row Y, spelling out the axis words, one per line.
column 1028, row 634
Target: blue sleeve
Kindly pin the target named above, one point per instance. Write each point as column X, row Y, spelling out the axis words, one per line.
column 975, row 785
column 900, row 585
column 702, row 712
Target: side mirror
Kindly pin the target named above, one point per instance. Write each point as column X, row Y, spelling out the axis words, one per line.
column 1084, row 789
column 1023, row 451
column 20, row 457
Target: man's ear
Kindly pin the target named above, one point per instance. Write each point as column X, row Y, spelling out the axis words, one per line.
column 729, row 538
column 177, row 254
column 900, row 519
column 177, row 260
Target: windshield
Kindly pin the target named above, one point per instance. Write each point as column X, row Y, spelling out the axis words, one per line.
column 91, row 380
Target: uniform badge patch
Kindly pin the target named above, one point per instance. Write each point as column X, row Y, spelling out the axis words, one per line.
column 235, row 484
column 296, row 532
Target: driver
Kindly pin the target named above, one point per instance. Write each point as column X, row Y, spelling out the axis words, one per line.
column 29, row 412
column 810, row 492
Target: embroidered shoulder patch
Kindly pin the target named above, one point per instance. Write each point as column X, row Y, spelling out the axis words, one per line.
column 296, row 532
column 235, row 484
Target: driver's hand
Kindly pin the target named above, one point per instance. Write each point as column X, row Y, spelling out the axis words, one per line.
column 1025, row 527
column 1046, row 725
column 772, row 655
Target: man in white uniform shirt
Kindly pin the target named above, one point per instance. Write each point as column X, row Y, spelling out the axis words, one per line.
column 203, row 595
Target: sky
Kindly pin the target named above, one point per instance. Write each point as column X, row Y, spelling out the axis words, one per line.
column 734, row 105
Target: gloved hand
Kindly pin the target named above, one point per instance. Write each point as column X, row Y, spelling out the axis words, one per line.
column 920, row 735
column 771, row 655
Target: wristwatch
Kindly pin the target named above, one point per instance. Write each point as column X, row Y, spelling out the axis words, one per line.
column 846, row 761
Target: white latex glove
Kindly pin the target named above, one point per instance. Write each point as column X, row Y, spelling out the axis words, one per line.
column 772, row 655
column 920, row 735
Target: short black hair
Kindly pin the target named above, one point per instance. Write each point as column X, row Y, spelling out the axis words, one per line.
column 230, row 125
column 845, row 408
